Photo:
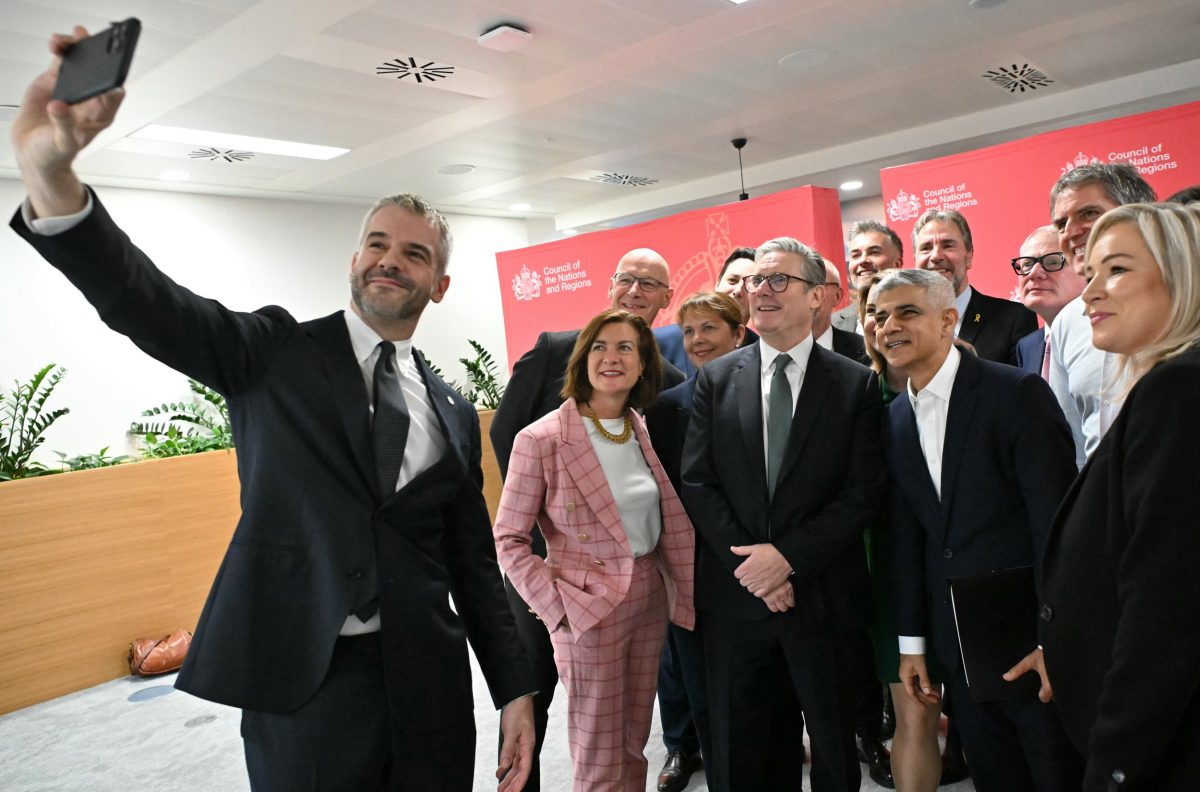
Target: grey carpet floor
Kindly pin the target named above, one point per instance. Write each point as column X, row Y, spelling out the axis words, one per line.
column 134, row 734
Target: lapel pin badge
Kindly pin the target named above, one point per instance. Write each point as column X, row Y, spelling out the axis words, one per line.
column 450, row 399
column 976, row 318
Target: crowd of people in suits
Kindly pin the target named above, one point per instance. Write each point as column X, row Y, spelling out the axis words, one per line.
column 762, row 542
column 843, row 472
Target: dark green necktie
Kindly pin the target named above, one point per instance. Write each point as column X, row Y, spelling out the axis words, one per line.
column 779, row 420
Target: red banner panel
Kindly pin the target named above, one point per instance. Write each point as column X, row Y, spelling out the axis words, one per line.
column 560, row 285
column 1004, row 191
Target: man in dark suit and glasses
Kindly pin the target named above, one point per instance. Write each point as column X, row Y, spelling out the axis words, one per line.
column 1045, row 282
column 979, row 456
column 779, row 479
column 329, row 622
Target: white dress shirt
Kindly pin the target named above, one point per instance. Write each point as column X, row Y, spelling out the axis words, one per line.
column 632, row 485
column 1082, row 378
column 960, row 305
column 794, row 373
column 826, row 338
column 931, row 406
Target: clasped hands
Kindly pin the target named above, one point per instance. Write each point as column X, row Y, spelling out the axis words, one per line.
column 765, row 574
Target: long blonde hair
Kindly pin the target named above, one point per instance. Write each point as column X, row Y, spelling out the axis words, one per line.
column 1172, row 235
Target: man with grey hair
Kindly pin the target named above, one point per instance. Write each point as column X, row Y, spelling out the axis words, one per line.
column 942, row 244
column 872, row 247
column 329, row 623
column 1080, row 374
column 962, row 507
column 781, row 477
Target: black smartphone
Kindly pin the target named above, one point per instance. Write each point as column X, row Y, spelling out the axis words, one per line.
column 98, row 63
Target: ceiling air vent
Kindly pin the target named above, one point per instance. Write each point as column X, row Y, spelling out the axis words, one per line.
column 213, row 154
column 408, row 67
column 1016, row 78
column 624, row 179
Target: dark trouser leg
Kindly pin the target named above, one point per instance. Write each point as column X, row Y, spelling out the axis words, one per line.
column 825, row 671
column 536, row 640
column 679, row 733
column 343, row 738
column 868, row 711
column 689, row 651
column 1052, row 758
column 990, row 742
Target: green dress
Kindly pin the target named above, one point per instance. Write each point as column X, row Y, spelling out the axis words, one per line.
column 883, row 627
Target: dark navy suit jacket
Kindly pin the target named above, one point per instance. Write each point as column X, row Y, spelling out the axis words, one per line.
column 1031, row 351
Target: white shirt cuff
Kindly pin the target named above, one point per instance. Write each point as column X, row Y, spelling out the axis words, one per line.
column 912, row 644
column 49, row 226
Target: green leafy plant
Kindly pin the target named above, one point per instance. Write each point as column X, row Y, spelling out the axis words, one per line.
column 90, row 461
column 186, row 428
column 483, row 377
column 24, row 421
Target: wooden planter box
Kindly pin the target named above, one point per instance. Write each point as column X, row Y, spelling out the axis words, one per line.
column 91, row 560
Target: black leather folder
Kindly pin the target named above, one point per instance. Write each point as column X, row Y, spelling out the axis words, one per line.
column 996, row 617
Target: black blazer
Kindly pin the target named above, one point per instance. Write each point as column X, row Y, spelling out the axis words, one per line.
column 993, row 326
column 667, row 424
column 1121, row 587
column 850, row 345
column 1007, row 459
column 311, row 517
column 1031, row 351
column 830, row 487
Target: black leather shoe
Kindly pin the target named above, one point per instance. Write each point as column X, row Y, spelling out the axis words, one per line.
column 874, row 754
column 888, row 731
column 954, row 766
column 677, row 770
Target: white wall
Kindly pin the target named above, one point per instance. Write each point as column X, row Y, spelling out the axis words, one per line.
column 244, row 252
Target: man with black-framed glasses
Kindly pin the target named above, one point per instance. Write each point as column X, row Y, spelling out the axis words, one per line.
column 1045, row 284
column 640, row 285
column 781, row 475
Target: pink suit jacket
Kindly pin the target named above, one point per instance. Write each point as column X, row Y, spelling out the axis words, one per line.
column 555, row 478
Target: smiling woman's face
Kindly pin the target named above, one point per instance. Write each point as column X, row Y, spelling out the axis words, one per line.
column 706, row 336
column 614, row 363
column 1126, row 298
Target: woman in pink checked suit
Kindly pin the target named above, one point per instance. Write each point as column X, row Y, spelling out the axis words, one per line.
column 620, row 548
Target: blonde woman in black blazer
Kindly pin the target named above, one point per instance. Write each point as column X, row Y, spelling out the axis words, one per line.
column 1120, row 618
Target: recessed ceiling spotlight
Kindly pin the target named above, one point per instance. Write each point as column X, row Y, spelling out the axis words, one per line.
column 804, row 59
column 569, row 231
column 200, row 137
column 737, row 2
column 175, row 175
column 520, row 207
column 985, row 3
column 850, row 186
column 458, row 169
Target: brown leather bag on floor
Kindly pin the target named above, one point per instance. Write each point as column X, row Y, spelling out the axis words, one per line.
column 148, row 657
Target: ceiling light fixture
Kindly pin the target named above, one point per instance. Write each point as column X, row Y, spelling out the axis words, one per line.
column 739, row 144
column 981, row 4
column 504, row 37
column 175, row 175
column 458, row 169
column 520, row 207
column 850, row 186
column 200, row 137
column 737, row 2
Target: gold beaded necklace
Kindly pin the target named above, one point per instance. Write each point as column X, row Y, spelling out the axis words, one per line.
column 626, row 433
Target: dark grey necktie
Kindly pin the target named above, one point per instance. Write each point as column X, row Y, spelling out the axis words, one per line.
column 389, row 434
column 779, row 420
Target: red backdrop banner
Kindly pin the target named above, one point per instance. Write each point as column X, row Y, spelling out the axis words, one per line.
column 1004, row 190
column 560, row 285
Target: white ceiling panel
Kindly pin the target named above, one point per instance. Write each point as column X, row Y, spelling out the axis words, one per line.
column 627, row 87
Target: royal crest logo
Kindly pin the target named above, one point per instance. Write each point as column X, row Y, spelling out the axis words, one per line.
column 526, row 284
column 1081, row 159
column 903, row 207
